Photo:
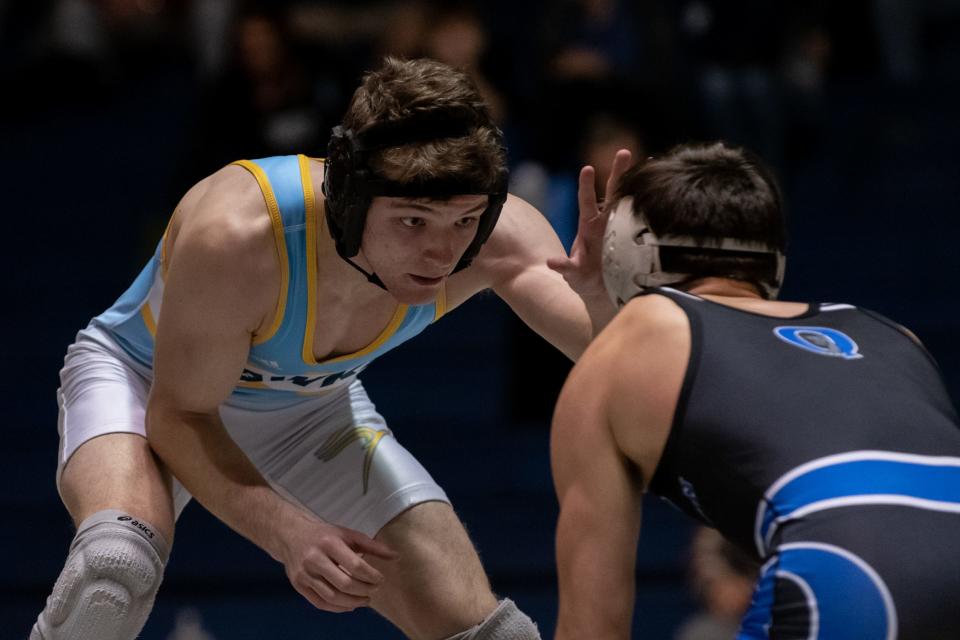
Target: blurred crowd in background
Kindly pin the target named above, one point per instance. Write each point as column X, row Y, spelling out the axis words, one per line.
column 853, row 103
column 567, row 80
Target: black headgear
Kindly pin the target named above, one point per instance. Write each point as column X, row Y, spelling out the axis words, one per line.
column 349, row 184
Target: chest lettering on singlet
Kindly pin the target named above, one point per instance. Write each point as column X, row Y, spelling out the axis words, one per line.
column 311, row 381
column 823, row 341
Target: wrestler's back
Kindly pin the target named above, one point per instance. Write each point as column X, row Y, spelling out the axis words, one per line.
column 825, row 440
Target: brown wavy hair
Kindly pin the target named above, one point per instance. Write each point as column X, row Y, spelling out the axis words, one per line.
column 710, row 191
column 401, row 88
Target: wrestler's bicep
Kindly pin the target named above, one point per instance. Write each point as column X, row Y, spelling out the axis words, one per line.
column 205, row 324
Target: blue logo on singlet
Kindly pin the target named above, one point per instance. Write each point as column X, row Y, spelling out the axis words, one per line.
column 820, row 340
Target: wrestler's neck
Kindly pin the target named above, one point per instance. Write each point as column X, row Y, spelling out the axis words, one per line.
column 742, row 295
column 723, row 288
column 340, row 281
column 337, row 280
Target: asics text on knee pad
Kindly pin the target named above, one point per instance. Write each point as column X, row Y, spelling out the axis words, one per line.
column 108, row 584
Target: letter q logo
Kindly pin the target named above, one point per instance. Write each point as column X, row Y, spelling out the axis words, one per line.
column 821, row 341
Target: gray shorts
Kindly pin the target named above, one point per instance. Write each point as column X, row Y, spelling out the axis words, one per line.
column 332, row 454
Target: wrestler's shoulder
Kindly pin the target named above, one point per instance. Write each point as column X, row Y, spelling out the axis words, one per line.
column 650, row 315
column 227, row 210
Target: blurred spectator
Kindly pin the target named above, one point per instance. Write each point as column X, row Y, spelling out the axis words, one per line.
column 736, row 49
column 722, row 577
column 588, row 50
column 352, row 38
column 807, row 53
column 402, row 35
column 555, row 193
column 759, row 69
column 591, row 40
column 605, row 135
column 264, row 103
column 604, row 56
column 85, row 50
column 340, row 25
column 209, row 29
column 77, row 29
column 457, row 36
column 538, row 370
column 903, row 28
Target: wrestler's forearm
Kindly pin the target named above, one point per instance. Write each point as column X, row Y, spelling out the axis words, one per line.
column 200, row 453
column 600, row 309
column 596, row 588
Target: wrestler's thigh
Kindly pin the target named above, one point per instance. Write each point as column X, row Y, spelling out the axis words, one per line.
column 104, row 460
column 118, row 471
column 437, row 587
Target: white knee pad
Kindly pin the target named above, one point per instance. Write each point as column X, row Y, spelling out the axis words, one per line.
column 107, row 587
column 506, row 622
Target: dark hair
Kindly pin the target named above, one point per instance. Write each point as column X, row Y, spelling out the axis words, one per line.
column 710, row 192
column 401, row 88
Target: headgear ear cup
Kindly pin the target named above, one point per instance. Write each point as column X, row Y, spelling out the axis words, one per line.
column 488, row 220
column 632, row 255
column 345, row 205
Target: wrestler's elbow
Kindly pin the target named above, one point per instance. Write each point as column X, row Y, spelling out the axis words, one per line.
column 165, row 422
column 160, row 423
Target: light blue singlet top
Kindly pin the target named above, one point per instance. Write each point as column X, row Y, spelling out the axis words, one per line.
column 281, row 368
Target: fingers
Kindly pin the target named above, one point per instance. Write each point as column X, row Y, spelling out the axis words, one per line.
column 587, row 194
column 621, row 162
column 357, row 569
column 334, row 576
column 323, row 597
column 367, row 545
column 338, row 580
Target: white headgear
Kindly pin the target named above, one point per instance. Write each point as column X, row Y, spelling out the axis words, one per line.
column 631, row 255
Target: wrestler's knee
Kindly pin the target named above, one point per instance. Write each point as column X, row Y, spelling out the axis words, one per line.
column 437, row 561
column 109, row 582
column 506, row 622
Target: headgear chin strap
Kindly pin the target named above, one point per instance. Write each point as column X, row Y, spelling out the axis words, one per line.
column 349, row 184
column 631, row 255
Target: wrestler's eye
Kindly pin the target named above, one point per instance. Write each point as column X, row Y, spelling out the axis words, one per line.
column 412, row 221
column 467, row 221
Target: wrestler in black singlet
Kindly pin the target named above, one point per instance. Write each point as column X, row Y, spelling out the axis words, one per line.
column 826, row 445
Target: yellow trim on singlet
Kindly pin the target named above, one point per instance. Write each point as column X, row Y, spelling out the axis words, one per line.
column 310, row 207
column 440, row 304
column 164, row 265
column 164, row 240
column 277, row 222
column 147, row 316
column 388, row 331
column 252, row 385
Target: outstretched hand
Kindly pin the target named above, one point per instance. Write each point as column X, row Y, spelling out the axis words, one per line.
column 583, row 270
